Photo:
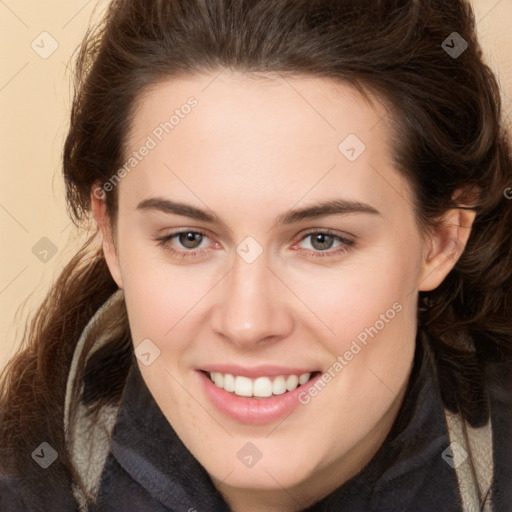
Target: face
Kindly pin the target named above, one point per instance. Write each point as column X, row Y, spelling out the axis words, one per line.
column 265, row 237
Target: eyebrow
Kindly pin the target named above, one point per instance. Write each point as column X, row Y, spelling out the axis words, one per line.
column 329, row 207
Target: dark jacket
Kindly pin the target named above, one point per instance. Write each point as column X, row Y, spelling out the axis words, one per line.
column 134, row 461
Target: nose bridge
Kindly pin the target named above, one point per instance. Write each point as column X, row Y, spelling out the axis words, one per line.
column 248, row 311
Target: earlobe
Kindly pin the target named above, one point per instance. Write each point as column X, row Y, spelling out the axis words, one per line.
column 99, row 210
column 445, row 247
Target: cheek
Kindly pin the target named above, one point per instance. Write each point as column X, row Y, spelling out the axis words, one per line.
column 161, row 298
column 375, row 325
column 366, row 291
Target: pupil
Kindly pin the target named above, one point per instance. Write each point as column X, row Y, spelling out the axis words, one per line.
column 324, row 240
column 189, row 239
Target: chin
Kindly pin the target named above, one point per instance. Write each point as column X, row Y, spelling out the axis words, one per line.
column 274, row 470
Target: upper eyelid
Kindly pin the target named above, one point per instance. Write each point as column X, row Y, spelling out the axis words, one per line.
column 330, row 232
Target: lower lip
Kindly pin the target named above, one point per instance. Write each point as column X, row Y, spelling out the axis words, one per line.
column 254, row 410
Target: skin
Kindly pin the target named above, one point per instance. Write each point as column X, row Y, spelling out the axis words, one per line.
column 254, row 148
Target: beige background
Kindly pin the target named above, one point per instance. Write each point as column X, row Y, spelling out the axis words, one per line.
column 35, row 96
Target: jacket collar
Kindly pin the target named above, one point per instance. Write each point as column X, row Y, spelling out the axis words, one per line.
column 87, row 437
column 146, row 446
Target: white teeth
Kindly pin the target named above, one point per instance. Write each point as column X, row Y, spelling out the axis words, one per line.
column 229, row 382
column 218, row 378
column 243, row 386
column 304, row 378
column 279, row 386
column 292, row 382
column 262, row 387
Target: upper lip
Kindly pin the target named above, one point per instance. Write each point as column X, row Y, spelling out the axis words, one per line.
column 256, row 371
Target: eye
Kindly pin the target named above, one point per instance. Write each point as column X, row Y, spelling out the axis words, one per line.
column 188, row 242
column 190, row 239
column 322, row 241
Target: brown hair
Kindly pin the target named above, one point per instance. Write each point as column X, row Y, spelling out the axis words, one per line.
column 447, row 114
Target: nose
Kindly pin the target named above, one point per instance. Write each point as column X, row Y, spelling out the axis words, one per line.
column 252, row 306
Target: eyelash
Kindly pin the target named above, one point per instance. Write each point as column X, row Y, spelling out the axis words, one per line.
column 345, row 246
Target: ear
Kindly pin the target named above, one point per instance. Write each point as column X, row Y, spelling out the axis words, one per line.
column 99, row 209
column 444, row 247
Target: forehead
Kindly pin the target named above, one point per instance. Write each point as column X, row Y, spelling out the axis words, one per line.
column 251, row 134
column 313, row 108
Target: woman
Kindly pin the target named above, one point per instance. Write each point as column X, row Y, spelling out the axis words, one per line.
column 298, row 294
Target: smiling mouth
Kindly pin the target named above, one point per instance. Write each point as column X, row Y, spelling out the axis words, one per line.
column 260, row 387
